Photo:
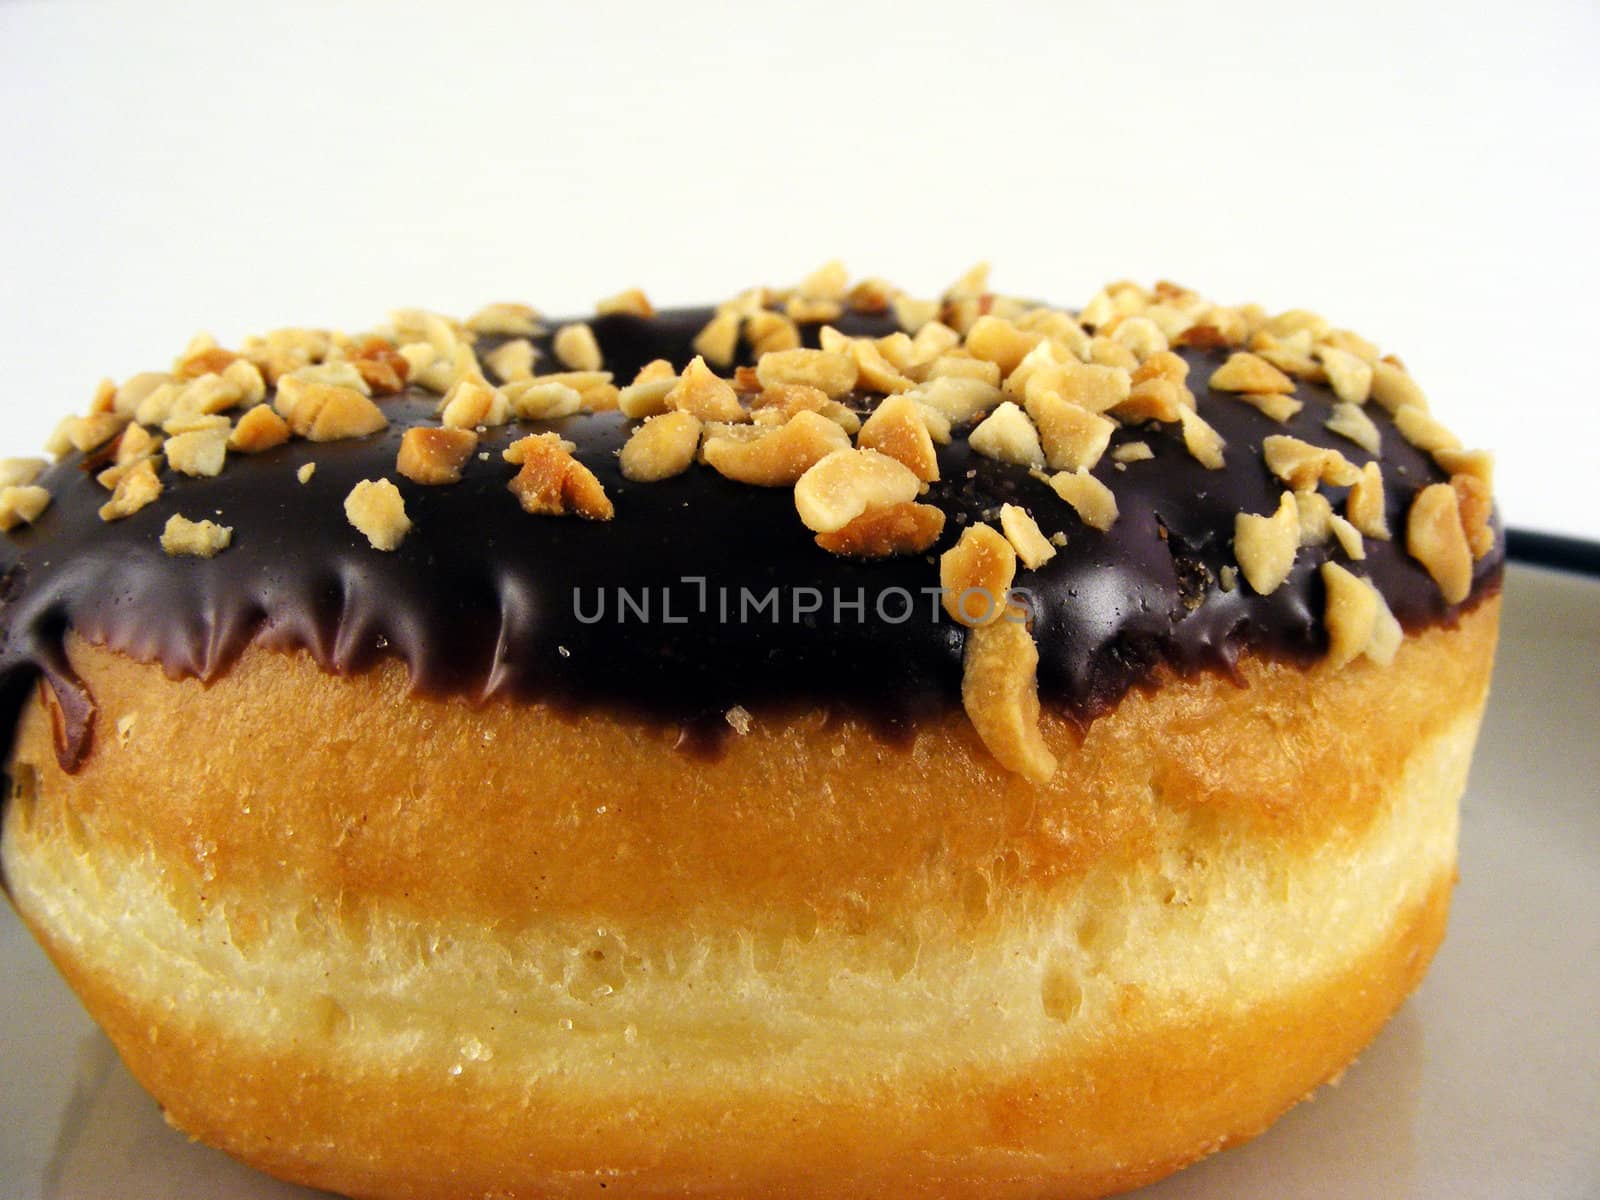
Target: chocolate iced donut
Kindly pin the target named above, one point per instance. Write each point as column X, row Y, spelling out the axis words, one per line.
column 825, row 744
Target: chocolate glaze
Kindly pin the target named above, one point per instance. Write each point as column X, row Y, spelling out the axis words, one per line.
column 479, row 599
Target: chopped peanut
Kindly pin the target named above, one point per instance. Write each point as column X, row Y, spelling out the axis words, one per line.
column 552, row 482
column 976, row 575
column 999, row 690
column 1303, row 466
column 1359, row 622
column 1393, row 389
column 701, row 393
column 258, row 429
column 632, row 302
column 1202, row 441
column 137, row 488
column 832, row 372
column 19, row 472
column 198, row 539
column 434, row 456
column 1279, row 407
column 898, row 429
column 886, row 531
column 21, row 504
column 1092, row 500
column 576, row 347
column 1246, row 372
column 512, row 360
column 1265, row 546
column 200, row 453
column 1071, row 436
column 1008, row 436
column 842, row 486
column 1025, row 536
column 376, row 509
column 779, row 456
column 1351, row 421
column 1364, row 505
column 718, row 341
column 1422, row 431
column 662, row 447
column 1350, row 376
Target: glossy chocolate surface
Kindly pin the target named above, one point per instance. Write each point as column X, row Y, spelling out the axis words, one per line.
column 482, row 599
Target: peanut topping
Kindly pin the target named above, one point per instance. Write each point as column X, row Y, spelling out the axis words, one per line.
column 321, row 412
column 701, row 393
column 662, row 447
column 306, row 471
column 1477, row 508
column 777, row 457
column 512, row 320
column 897, row 428
column 1349, row 375
column 1364, row 505
column 472, row 403
column 542, row 399
column 1072, row 437
column 137, row 488
column 997, row 340
column 1090, row 499
column 1279, row 407
column 1359, row 622
column 19, row 472
column 1000, row 692
column 1265, row 546
column 258, row 429
column 769, row 331
column 553, row 483
column 1477, row 463
column 1025, row 536
column 1088, row 385
column 376, row 509
column 1008, row 436
column 632, row 301
column 717, row 342
column 1351, row 421
column 512, row 360
column 576, row 347
column 21, row 504
column 1393, row 389
column 874, row 371
column 1132, row 452
column 199, row 539
column 647, row 394
column 845, row 484
column 1246, row 372
column 434, row 456
column 913, row 315
column 774, row 406
column 958, row 400
column 886, row 531
column 1202, row 441
column 1436, row 539
column 831, row 372
column 1303, row 466
column 976, row 574
column 200, row 453
column 1422, row 431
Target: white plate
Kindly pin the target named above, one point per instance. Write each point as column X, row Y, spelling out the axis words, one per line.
column 1486, row 1084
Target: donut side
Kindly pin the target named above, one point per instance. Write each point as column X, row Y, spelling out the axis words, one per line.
column 403, row 946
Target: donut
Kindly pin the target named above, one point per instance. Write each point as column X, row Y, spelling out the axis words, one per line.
column 831, row 743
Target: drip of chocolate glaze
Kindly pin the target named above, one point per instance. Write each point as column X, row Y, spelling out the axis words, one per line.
column 702, row 594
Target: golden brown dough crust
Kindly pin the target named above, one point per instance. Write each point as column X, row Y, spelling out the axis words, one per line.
column 405, row 947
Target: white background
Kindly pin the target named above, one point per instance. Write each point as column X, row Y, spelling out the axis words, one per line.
column 1424, row 173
